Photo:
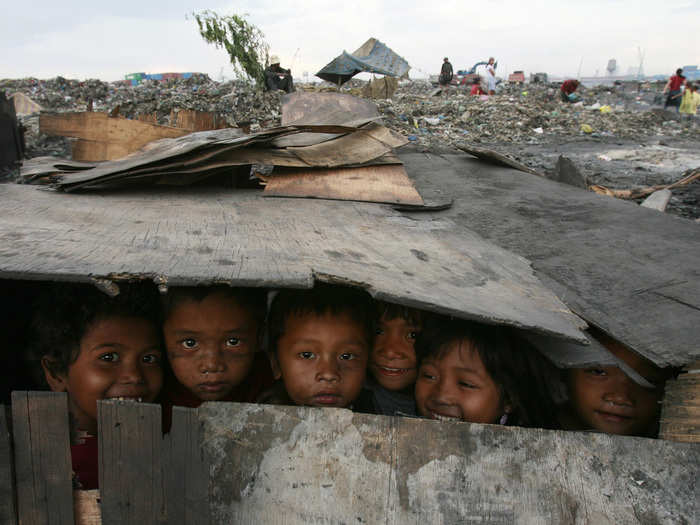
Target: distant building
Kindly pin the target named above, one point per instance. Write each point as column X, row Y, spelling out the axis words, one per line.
column 691, row 72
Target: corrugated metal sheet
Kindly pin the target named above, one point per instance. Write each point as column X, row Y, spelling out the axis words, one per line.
column 372, row 57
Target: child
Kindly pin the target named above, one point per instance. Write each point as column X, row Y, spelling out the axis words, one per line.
column 476, row 87
column 603, row 398
column 319, row 345
column 393, row 365
column 93, row 346
column 212, row 337
column 690, row 101
column 482, row 374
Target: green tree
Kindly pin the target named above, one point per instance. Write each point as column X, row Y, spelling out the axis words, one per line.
column 244, row 42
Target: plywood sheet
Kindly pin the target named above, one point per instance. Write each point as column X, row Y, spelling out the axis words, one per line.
column 334, row 466
column 387, row 184
column 206, row 235
column 631, row 271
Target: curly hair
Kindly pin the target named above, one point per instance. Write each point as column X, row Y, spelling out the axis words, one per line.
column 65, row 311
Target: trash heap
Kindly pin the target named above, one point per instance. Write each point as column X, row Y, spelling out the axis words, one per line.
column 523, row 114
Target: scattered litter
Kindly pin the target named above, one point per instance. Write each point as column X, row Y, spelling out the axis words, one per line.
column 605, row 109
column 606, row 158
column 539, row 131
column 586, row 128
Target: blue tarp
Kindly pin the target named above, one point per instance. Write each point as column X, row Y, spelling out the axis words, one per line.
column 372, row 57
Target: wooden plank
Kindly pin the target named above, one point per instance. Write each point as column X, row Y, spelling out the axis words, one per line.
column 42, row 458
column 130, row 456
column 680, row 413
column 325, row 108
column 630, row 272
column 7, row 480
column 242, row 238
column 274, row 465
column 103, row 137
column 387, row 184
column 657, row 200
column 86, row 507
column 193, row 120
column 186, row 472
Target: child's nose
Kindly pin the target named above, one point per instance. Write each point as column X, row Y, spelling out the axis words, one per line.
column 442, row 394
column 391, row 347
column 620, row 392
column 327, row 370
column 211, row 361
column 131, row 372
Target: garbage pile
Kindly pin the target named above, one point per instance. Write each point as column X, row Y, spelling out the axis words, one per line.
column 523, row 114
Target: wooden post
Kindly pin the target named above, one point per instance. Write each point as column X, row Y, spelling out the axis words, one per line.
column 7, row 482
column 186, row 475
column 42, row 458
column 680, row 415
column 130, row 462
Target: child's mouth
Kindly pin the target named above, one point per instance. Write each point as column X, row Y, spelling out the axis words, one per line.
column 212, row 387
column 327, row 399
column 613, row 418
column 133, row 399
column 388, row 371
column 441, row 417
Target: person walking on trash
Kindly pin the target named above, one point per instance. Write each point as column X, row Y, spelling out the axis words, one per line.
column 673, row 87
column 446, row 75
column 491, row 76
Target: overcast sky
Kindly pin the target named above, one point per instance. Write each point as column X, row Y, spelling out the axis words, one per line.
column 83, row 39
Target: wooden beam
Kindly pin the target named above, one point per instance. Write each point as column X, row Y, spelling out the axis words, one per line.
column 7, row 479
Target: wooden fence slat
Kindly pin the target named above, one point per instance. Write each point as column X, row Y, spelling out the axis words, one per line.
column 7, row 484
column 42, row 458
column 130, row 459
column 187, row 475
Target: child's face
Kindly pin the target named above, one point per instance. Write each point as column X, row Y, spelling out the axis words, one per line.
column 393, row 359
column 457, row 386
column 322, row 360
column 211, row 345
column 119, row 357
column 606, row 399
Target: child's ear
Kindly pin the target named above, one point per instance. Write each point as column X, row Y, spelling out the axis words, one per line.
column 57, row 381
column 275, row 365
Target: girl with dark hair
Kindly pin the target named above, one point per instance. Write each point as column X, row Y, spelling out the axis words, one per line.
column 482, row 374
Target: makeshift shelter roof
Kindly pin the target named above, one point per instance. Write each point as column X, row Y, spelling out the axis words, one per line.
column 24, row 105
column 372, row 57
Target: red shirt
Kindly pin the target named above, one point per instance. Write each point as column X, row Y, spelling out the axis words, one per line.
column 476, row 90
column 569, row 86
column 84, row 461
column 676, row 82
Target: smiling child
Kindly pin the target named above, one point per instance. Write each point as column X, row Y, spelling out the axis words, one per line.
column 319, row 344
column 482, row 374
column 94, row 347
column 393, row 365
column 605, row 399
column 212, row 336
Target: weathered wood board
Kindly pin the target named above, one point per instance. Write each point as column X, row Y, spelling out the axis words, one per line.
column 631, row 271
column 42, row 458
column 102, row 137
column 205, row 235
column 7, row 482
column 388, row 184
column 271, row 464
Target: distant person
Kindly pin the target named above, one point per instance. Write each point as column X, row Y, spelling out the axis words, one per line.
column 690, row 101
column 476, row 87
column 446, row 74
column 277, row 77
column 568, row 90
column 491, row 76
column 673, row 88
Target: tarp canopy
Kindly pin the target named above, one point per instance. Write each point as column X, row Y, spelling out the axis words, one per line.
column 372, row 57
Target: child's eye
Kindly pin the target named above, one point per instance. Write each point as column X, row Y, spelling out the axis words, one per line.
column 428, row 376
column 306, row 355
column 412, row 335
column 466, row 384
column 378, row 331
column 151, row 359
column 346, row 356
column 233, row 341
column 110, row 357
column 598, row 372
column 189, row 343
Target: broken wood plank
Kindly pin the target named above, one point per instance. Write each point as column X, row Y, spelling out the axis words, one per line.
column 680, row 414
column 86, row 507
column 248, row 240
column 657, row 200
column 101, row 136
column 384, row 184
column 629, row 272
column 193, row 120
column 42, row 458
column 130, row 462
column 7, row 480
column 332, row 466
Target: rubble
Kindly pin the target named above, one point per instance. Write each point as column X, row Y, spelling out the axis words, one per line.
column 528, row 122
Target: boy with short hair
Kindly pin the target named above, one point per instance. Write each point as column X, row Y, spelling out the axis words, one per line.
column 94, row 347
column 393, row 364
column 605, row 399
column 212, row 337
column 319, row 345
